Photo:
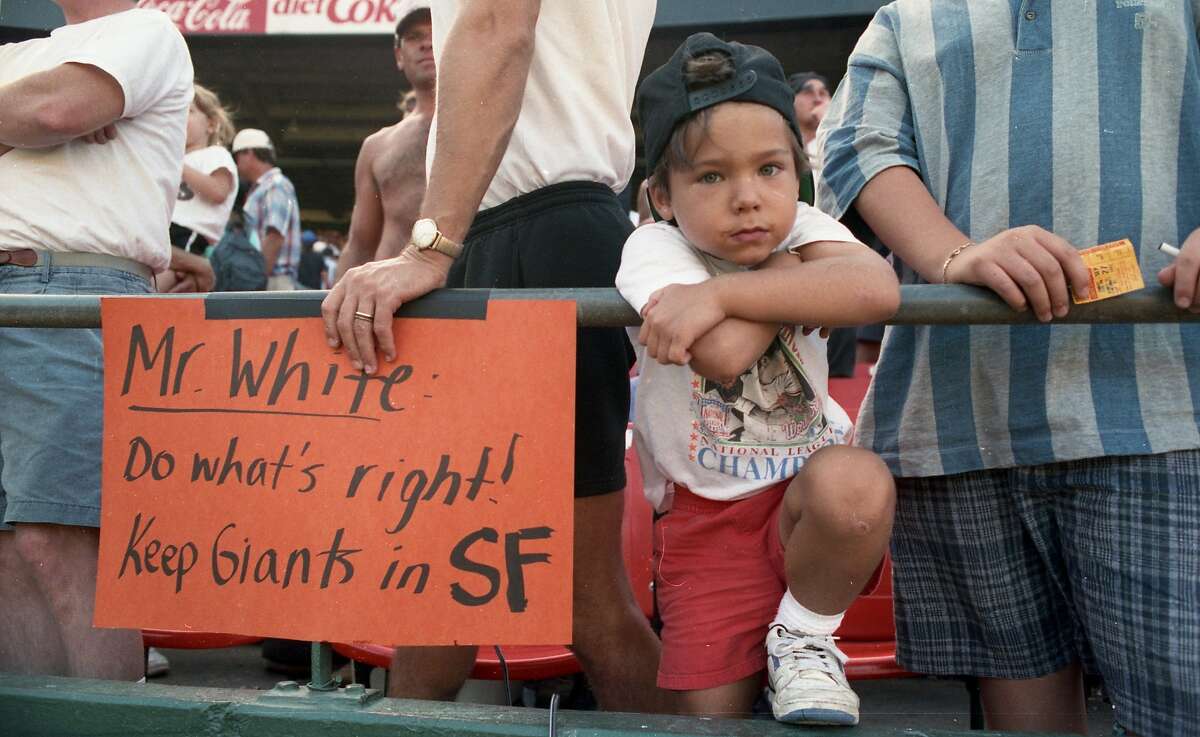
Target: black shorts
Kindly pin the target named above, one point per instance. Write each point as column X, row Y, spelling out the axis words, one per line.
column 566, row 235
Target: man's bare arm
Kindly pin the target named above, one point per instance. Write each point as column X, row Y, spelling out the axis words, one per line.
column 4, row 149
column 366, row 221
column 481, row 76
column 58, row 105
column 272, row 244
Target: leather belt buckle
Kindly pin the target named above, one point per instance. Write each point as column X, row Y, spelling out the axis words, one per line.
column 19, row 257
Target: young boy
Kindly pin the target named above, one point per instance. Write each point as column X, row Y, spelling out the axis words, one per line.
column 774, row 525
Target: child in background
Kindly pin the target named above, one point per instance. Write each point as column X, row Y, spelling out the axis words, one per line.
column 206, row 196
column 774, row 524
column 209, row 184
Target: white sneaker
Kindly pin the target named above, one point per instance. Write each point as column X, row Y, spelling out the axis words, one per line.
column 807, row 677
column 156, row 663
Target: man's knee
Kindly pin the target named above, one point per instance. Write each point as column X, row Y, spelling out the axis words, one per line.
column 12, row 564
column 848, row 491
column 35, row 544
column 58, row 555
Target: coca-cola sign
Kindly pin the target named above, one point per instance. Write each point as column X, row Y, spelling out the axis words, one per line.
column 195, row 17
column 213, row 16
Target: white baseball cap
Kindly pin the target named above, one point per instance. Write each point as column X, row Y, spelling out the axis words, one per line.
column 251, row 138
column 405, row 8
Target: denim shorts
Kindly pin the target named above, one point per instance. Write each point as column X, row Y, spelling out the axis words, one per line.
column 52, row 402
column 1017, row 573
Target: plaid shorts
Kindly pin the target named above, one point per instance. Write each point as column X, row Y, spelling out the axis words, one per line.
column 1016, row 573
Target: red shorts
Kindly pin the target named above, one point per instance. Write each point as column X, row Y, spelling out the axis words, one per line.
column 719, row 579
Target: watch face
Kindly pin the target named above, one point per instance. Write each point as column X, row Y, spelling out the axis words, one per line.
column 423, row 233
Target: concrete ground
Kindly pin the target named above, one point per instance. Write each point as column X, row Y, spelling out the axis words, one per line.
column 917, row 703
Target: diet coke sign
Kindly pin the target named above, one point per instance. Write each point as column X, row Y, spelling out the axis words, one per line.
column 195, row 17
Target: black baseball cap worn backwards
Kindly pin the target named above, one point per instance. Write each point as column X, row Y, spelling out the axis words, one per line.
column 664, row 100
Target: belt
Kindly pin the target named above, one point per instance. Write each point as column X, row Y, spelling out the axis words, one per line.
column 30, row 258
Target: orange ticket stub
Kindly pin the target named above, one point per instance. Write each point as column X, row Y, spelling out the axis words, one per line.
column 1114, row 271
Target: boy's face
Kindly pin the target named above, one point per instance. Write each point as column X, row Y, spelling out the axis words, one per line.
column 737, row 199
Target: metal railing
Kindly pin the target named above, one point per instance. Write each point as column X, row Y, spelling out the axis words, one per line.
column 923, row 304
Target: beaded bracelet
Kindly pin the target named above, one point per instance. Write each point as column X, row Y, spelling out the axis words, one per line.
column 953, row 254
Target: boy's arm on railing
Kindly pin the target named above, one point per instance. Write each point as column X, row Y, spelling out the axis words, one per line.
column 723, row 325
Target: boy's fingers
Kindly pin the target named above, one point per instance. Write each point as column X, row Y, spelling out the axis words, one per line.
column 678, row 354
column 643, row 333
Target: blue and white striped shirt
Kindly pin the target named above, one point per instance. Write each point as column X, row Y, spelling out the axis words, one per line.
column 1081, row 117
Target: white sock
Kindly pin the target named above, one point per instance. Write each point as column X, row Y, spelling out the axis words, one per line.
column 798, row 618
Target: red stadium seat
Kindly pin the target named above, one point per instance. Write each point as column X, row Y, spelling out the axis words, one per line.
column 194, row 640
column 849, row 392
column 868, row 633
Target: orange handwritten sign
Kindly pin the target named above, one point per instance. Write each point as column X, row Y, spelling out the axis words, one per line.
column 254, row 483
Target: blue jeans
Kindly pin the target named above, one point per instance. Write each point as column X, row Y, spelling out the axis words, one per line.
column 52, row 402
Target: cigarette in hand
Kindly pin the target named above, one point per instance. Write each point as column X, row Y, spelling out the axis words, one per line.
column 1168, row 249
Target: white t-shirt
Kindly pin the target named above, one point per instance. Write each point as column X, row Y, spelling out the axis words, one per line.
column 193, row 211
column 114, row 198
column 816, row 155
column 727, row 443
column 574, row 123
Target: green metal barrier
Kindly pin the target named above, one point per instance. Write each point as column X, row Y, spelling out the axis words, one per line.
column 36, row 707
column 63, row 706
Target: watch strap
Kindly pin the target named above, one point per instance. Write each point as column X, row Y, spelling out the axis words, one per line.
column 444, row 245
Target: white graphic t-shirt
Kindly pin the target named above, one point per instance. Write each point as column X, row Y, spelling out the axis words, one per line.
column 727, row 442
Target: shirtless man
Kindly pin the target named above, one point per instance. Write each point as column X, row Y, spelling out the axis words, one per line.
column 389, row 178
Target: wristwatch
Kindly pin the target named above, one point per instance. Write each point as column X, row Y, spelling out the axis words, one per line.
column 426, row 237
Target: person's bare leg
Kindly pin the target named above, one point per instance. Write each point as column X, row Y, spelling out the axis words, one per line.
column 835, row 523
column 430, row 673
column 63, row 561
column 732, row 700
column 1054, row 703
column 29, row 641
column 613, row 641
